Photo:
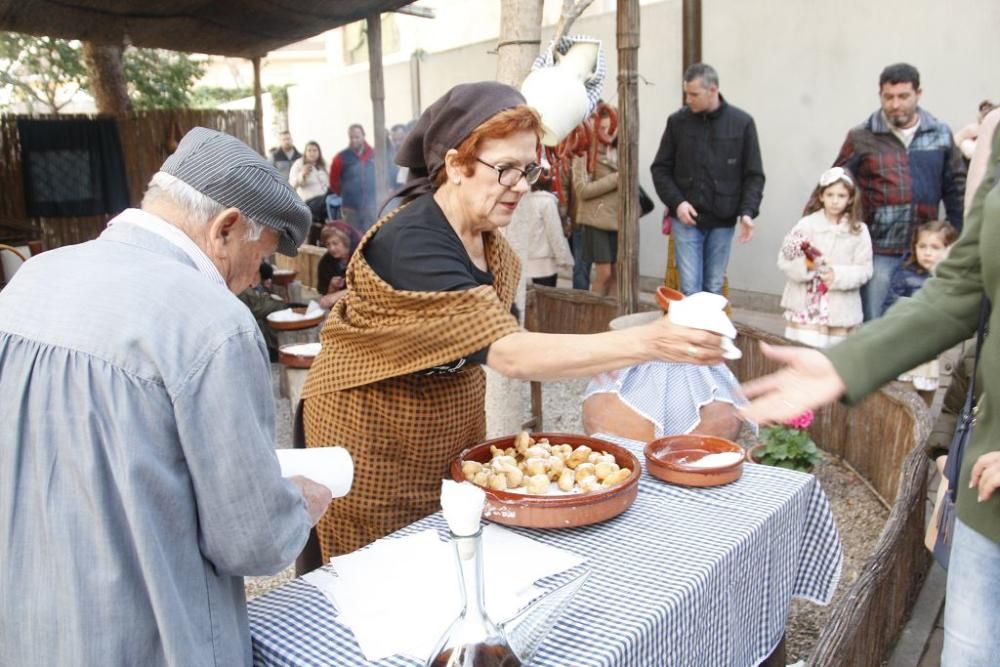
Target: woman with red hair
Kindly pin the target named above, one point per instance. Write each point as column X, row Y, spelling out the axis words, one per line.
column 339, row 239
column 430, row 300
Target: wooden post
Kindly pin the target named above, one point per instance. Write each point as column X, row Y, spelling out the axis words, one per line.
column 416, row 106
column 628, row 155
column 377, row 85
column 691, row 20
column 258, row 107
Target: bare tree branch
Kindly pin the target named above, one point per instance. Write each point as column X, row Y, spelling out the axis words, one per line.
column 570, row 12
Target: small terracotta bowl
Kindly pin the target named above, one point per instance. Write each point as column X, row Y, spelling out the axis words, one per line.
column 283, row 276
column 669, row 458
column 293, row 356
column 755, row 452
column 664, row 295
column 555, row 511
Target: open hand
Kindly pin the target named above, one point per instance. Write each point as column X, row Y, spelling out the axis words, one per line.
column 986, row 475
column 807, row 381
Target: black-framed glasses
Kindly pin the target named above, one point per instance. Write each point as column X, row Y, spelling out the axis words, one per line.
column 509, row 176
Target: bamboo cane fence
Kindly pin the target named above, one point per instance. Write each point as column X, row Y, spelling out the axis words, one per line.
column 147, row 138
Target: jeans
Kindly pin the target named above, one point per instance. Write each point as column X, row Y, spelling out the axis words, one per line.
column 581, row 270
column 333, row 204
column 874, row 291
column 702, row 256
column 971, row 611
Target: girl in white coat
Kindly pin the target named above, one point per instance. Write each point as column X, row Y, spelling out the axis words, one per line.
column 827, row 257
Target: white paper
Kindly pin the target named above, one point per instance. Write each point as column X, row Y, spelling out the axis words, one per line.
column 332, row 467
column 313, row 310
column 399, row 594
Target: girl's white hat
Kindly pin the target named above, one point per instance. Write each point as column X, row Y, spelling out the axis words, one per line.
column 834, row 174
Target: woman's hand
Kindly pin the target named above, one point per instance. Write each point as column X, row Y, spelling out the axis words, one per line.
column 826, row 275
column 327, row 300
column 337, row 283
column 808, row 381
column 671, row 342
column 986, row 475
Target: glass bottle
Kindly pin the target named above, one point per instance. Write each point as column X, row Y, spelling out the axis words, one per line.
column 472, row 640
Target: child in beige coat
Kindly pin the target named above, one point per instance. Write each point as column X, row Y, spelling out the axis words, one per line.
column 827, row 257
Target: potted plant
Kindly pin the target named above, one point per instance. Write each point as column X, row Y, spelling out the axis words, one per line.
column 788, row 445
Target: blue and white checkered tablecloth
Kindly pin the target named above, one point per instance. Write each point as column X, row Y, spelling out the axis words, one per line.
column 683, row 577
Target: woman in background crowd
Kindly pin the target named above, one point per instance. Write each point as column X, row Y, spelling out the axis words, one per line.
column 339, row 239
column 596, row 195
column 308, row 177
column 537, row 220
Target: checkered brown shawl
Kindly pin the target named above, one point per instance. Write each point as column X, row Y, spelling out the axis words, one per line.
column 402, row 428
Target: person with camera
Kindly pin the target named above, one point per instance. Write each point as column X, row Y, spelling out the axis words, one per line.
column 308, row 177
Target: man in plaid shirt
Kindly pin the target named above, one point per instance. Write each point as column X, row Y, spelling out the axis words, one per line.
column 906, row 164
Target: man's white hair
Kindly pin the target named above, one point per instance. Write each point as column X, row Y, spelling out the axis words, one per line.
column 196, row 207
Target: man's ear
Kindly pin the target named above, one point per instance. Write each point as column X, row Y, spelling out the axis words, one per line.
column 222, row 228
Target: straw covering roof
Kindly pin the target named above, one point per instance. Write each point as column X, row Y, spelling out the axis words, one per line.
column 244, row 28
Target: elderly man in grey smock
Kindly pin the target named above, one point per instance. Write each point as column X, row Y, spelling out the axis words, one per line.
column 138, row 481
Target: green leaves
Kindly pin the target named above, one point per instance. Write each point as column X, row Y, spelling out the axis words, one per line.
column 160, row 79
column 42, row 72
column 786, row 447
column 45, row 74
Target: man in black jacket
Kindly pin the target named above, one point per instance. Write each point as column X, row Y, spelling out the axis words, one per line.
column 285, row 154
column 708, row 172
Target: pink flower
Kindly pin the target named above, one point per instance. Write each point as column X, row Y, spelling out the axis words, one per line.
column 801, row 422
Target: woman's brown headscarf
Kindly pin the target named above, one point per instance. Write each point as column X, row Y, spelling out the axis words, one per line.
column 445, row 124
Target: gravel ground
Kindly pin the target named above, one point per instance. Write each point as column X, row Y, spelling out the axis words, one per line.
column 860, row 516
column 860, row 519
column 282, row 440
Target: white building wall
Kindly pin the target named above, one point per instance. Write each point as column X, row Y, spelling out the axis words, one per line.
column 807, row 71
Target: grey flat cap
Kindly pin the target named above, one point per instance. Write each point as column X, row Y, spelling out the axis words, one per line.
column 230, row 172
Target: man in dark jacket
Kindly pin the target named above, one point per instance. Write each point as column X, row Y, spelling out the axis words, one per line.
column 708, row 171
column 352, row 176
column 905, row 163
column 285, row 154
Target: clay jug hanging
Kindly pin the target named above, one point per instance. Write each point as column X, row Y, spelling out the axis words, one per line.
column 558, row 92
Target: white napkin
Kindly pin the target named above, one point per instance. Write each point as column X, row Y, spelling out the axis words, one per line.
column 705, row 310
column 313, row 310
column 303, row 349
column 332, row 467
column 462, row 506
column 399, row 595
